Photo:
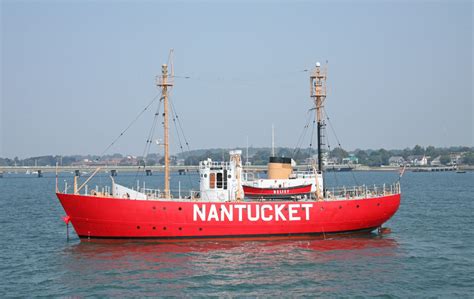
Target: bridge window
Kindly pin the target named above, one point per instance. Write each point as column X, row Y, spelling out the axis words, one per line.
column 225, row 179
column 219, row 180
column 212, row 180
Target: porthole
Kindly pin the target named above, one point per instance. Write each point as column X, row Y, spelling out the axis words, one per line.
column 180, row 228
column 357, row 206
column 154, row 228
column 154, row 208
column 138, row 226
column 229, row 176
column 340, row 207
column 200, row 229
column 378, row 204
column 164, row 228
column 180, row 208
column 164, row 208
column 205, row 175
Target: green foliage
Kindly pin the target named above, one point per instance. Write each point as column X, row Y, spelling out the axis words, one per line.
column 468, row 158
column 445, row 159
column 338, row 153
column 259, row 156
column 431, row 152
column 362, row 156
column 418, row 150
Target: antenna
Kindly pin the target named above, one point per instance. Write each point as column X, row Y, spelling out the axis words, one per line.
column 170, row 62
column 273, row 141
column 247, row 159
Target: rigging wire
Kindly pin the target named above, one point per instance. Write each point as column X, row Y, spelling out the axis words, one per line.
column 337, row 139
column 149, row 139
column 248, row 77
column 329, row 149
column 297, row 148
column 180, row 126
column 176, row 129
column 312, row 134
column 175, row 117
column 128, row 127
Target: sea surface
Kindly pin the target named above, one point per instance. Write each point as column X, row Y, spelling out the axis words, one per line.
column 430, row 252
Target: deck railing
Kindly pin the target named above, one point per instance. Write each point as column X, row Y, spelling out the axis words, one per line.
column 352, row 192
column 364, row 191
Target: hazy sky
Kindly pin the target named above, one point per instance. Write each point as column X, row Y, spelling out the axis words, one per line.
column 75, row 74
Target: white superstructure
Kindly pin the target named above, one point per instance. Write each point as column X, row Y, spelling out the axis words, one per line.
column 221, row 181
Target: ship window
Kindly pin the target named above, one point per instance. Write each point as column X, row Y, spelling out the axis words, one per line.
column 225, row 179
column 219, row 180
column 212, row 181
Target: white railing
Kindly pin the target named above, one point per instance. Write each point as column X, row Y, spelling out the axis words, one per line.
column 353, row 192
column 303, row 174
column 213, row 164
column 364, row 191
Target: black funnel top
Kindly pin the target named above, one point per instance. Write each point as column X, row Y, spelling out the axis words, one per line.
column 283, row 160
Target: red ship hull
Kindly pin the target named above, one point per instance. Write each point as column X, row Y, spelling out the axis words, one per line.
column 106, row 217
column 254, row 192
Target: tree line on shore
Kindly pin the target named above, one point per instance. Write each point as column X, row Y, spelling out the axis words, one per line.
column 256, row 156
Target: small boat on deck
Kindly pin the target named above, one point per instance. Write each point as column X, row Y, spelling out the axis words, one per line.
column 276, row 192
column 282, row 181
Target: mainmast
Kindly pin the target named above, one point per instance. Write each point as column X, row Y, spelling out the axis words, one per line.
column 318, row 95
column 163, row 83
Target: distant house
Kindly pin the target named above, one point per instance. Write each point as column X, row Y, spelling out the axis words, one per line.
column 436, row 161
column 352, row 159
column 311, row 160
column 113, row 161
column 418, row 160
column 396, row 161
column 129, row 161
column 331, row 161
column 456, row 158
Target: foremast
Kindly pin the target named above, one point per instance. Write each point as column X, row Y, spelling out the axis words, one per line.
column 163, row 83
column 318, row 95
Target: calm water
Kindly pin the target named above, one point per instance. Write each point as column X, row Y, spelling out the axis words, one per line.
column 430, row 252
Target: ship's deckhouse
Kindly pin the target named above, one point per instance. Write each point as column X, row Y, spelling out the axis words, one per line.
column 221, row 181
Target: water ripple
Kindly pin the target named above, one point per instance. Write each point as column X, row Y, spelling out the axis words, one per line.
column 429, row 254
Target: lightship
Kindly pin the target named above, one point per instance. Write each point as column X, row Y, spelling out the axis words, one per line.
column 228, row 204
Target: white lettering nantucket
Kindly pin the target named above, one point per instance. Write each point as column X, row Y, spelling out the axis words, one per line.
column 254, row 212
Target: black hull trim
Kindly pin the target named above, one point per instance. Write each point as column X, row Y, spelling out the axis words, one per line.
column 223, row 237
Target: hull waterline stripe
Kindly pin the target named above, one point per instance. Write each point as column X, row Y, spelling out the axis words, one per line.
column 358, row 231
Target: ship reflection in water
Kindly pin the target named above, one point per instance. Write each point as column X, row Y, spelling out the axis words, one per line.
column 194, row 268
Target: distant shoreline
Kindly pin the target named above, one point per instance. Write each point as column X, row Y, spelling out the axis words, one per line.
column 194, row 168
